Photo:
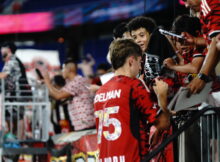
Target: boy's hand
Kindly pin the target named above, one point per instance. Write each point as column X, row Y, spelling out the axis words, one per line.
column 169, row 63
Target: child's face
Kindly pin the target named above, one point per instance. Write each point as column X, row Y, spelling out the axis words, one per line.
column 141, row 36
column 183, row 48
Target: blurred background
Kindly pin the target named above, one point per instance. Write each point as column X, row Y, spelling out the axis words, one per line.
column 48, row 31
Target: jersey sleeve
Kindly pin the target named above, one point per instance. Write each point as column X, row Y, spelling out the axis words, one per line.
column 199, row 53
column 211, row 12
column 143, row 102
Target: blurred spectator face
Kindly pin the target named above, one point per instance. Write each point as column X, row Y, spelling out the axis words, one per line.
column 181, row 47
column 141, row 36
column 193, row 4
column 102, row 69
column 65, row 72
column 126, row 35
column 6, row 53
column 101, row 72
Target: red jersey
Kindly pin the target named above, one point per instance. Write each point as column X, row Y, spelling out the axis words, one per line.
column 210, row 17
column 188, row 57
column 124, row 112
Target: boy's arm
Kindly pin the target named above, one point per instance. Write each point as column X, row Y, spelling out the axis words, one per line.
column 211, row 60
column 192, row 67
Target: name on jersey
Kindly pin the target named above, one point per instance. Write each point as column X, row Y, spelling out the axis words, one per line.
column 113, row 159
column 101, row 97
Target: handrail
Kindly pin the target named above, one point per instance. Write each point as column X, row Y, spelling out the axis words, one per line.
column 178, row 132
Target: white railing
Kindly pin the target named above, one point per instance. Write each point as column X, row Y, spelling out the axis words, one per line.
column 24, row 114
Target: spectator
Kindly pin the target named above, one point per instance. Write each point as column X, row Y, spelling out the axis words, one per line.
column 155, row 47
column 15, row 80
column 81, row 105
column 102, row 69
column 87, row 66
column 190, row 56
column 13, row 71
column 141, row 28
column 123, row 107
column 209, row 17
column 121, row 31
column 59, row 113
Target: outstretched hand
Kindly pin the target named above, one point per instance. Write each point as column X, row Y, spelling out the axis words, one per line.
column 196, row 85
column 169, row 63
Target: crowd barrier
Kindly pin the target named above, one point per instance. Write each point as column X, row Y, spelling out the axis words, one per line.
column 24, row 123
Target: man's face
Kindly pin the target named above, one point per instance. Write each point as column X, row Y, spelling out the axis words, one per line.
column 6, row 53
column 141, row 37
column 193, row 4
column 65, row 72
column 101, row 72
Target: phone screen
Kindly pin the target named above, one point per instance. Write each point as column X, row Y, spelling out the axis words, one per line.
column 164, row 32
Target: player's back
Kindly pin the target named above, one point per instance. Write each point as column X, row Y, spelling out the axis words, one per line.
column 113, row 112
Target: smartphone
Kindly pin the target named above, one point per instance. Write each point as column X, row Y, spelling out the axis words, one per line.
column 39, row 74
column 165, row 32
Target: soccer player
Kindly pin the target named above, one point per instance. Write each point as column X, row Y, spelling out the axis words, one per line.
column 124, row 110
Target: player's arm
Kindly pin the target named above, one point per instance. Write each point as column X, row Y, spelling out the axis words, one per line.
column 145, row 105
column 161, row 89
column 163, row 120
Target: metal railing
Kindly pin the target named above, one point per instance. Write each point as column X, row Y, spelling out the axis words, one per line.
column 24, row 116
column 25, row 109
column 209, row 123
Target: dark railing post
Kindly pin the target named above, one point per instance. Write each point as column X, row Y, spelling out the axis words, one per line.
column 180, row 130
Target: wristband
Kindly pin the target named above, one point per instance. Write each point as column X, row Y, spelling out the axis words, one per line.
column 204, row 77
